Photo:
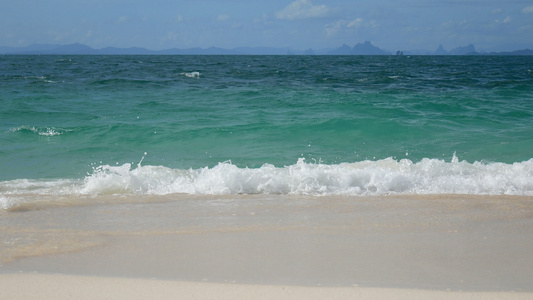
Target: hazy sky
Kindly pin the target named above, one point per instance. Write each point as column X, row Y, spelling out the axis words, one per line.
column 491, row 25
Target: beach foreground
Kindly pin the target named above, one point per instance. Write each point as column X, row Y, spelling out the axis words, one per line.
column 268, row 246
column 46, row 286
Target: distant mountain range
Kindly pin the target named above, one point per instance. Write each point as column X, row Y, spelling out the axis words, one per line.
column 365, row 48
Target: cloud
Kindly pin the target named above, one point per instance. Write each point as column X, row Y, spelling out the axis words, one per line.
column 302, row 9
column 504, row 21
column 332, row 29
column 526, row 28
column 349, row 26
column 355, row 23
column 527, row 10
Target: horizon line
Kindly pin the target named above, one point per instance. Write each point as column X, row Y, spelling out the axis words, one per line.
column 366, row 48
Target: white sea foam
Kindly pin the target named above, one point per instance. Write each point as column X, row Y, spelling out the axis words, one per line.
column 191, row 74
column 381, row 177
column 5, row 203
column 44, row 131
column 40, row 187
column 387, row 176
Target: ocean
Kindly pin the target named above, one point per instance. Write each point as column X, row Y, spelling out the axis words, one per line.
column 115, row 126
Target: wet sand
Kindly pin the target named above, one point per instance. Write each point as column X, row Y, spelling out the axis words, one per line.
column 453, row 246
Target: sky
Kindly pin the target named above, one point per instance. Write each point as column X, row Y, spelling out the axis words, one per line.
column 491, row 25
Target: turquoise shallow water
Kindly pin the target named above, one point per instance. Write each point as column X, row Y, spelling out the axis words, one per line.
column 266, row 124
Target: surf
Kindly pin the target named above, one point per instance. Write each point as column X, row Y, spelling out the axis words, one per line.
column 365, row 178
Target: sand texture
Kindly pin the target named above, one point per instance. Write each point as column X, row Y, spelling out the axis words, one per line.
column 62, row 287
column 463, row 247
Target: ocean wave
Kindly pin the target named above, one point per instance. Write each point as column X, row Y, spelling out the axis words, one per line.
column 43, row 131
column 5, row 203
column 191, row 74
column 365, row 178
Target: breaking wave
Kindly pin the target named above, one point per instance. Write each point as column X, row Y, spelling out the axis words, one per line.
column 191, row 74
column 365, row 178
column 43, row 131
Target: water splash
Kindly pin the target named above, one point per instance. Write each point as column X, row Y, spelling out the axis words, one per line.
column 191, row 74
column 43, row 131
column 381, row 177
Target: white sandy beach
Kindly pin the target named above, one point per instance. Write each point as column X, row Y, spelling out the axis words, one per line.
column 269, row 247
column 45, row 286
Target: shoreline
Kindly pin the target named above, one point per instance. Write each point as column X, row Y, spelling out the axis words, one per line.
column 29, row 286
